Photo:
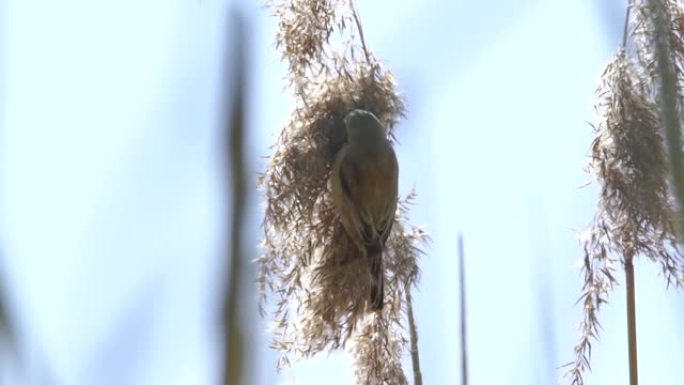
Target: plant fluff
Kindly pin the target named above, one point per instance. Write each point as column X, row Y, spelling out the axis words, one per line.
column 314, row 282
column 636, row 211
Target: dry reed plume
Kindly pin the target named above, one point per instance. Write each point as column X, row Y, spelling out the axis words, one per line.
column 636, row 211
column 313, row 281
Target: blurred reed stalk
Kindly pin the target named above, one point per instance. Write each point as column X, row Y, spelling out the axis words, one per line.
column 639, row 130
column 631, row 321
column 6, row 330
column 413, row 333
column 629, row 274
column 234, row 329
column 5, row 327
column 670, row 100
column 7, row 336
column 462, row 294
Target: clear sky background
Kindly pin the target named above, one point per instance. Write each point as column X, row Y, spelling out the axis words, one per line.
column 110, row 191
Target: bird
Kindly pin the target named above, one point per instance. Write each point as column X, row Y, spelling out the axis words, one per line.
column 364, row 188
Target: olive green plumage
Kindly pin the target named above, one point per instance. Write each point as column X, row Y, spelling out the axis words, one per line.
column 364, row 184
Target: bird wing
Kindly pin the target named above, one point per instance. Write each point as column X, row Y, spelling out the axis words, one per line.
column 370, row 187
column 389, row 205
column 342, row 193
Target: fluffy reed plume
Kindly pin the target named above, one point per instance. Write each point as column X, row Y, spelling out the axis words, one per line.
column 313, row 281
column 629, row 158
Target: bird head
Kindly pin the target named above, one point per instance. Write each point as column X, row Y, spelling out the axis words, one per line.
column 364, row 128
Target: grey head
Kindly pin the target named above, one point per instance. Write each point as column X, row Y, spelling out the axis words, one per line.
column 364, row 129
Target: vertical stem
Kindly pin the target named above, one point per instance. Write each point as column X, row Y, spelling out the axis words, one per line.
column 625, row 32
column 5, row 326
column 668, row 101
column 235, row 351
column 355, row 14
column 631, row 320
column 6, row 334
column 461, row 278
column 415, row 357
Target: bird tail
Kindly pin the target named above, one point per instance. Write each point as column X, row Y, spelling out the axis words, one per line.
column 377, row 292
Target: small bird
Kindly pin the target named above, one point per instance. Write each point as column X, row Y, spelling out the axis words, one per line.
column 364, row 184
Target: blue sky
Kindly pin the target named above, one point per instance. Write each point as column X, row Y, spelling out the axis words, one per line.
column 110, row 193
